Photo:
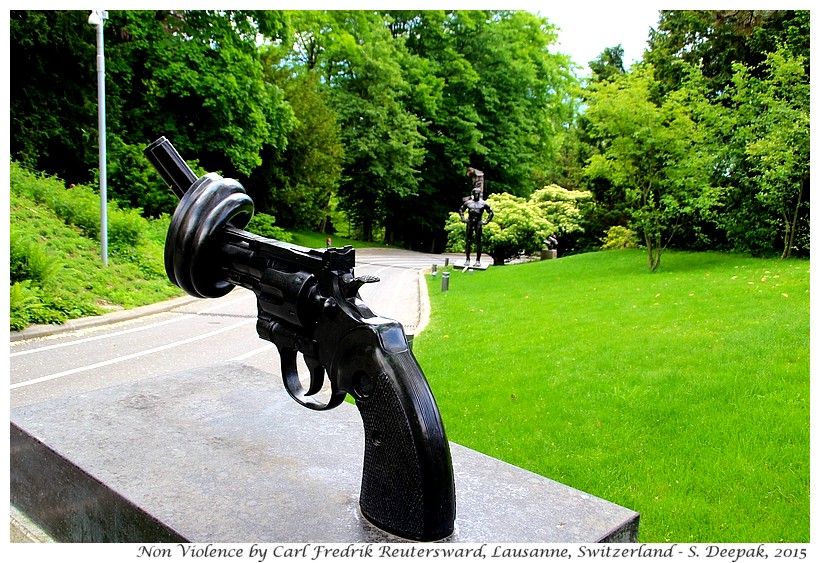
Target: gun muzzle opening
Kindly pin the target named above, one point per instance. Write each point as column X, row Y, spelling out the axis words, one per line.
column 174, row 171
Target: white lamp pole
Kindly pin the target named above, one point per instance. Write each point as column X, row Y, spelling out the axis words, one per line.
column 97, row 19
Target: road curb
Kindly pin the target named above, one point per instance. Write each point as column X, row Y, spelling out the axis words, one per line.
column 423, row 304
column 39, row 331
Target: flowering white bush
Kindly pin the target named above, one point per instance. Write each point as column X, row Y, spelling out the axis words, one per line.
column 520, row 226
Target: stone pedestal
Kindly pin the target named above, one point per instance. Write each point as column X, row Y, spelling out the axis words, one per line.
column 224, row 455
column 471, row 265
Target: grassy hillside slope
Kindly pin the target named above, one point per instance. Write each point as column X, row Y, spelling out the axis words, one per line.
column 56, row 267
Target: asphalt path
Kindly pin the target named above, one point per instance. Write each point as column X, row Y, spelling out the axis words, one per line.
column 193, row 334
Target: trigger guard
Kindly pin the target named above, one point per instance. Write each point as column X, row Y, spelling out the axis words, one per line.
column 290, row 378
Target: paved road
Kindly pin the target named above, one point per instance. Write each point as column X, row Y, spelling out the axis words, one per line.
column 194, row 334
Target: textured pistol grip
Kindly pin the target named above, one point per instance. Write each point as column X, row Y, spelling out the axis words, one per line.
column 407, row 481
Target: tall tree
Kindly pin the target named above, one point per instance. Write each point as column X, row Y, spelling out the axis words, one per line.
column 297, row 184
column 494, row 97
column 53, row 110
column 440, row 81
column 196, row 77
column 715, row 39
column 609, row 64
column 772, row 123
column 520, row 97
column 193, row 76
column 383, row 146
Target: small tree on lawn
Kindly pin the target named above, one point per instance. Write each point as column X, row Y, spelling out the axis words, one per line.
column 658, row 155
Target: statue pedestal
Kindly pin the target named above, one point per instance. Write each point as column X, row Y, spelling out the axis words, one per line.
column 224, row 455
column 463, row 265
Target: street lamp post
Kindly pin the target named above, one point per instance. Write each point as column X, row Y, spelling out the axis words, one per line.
column 97, row 19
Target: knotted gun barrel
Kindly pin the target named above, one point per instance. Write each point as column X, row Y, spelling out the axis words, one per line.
column 308, row 303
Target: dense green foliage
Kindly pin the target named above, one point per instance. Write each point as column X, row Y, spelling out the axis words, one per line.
column 733, row 51
column 747, row 165
column 55, row 269
column 771, row 115
column 369, row 119
column 683, row 394
column 378, row 111
column 194, row 78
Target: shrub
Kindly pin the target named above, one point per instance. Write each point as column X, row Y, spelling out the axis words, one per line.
column 55, row 269
column 29, row 304
column 562, row 207
column 79, row 206
column 21, row 300
column 520, row 226
column 126, row 228
column 157, row 229
column 133, row 182
column 262, row 224
column 620, row 237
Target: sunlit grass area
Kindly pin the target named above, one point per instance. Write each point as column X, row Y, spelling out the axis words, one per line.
column 681, row 394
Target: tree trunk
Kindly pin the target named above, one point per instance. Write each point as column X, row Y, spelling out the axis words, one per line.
column 652, row 253
column 367, row 229
column 791, row 228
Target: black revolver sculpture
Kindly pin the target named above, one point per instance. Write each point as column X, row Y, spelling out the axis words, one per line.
column 308, row 302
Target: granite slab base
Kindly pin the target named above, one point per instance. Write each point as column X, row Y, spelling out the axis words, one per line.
column 222, row 454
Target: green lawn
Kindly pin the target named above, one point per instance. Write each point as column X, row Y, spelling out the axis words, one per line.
column 681, row 394
column 311, row 239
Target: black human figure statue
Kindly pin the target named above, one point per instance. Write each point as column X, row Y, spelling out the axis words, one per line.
column 475, row 207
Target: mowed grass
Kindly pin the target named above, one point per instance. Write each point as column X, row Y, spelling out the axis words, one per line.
column 682, row 394
column 312, row 239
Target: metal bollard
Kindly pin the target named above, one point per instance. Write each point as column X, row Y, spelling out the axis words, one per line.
column 445, row 281
column 435, row 269
column 446, row 262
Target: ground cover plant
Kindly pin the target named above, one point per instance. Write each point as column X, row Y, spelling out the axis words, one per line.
column 56, row 269
column 682, row 394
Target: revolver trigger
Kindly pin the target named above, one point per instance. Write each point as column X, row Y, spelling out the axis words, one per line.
column 317, row 376
column 290, row 377
column 290, row 373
